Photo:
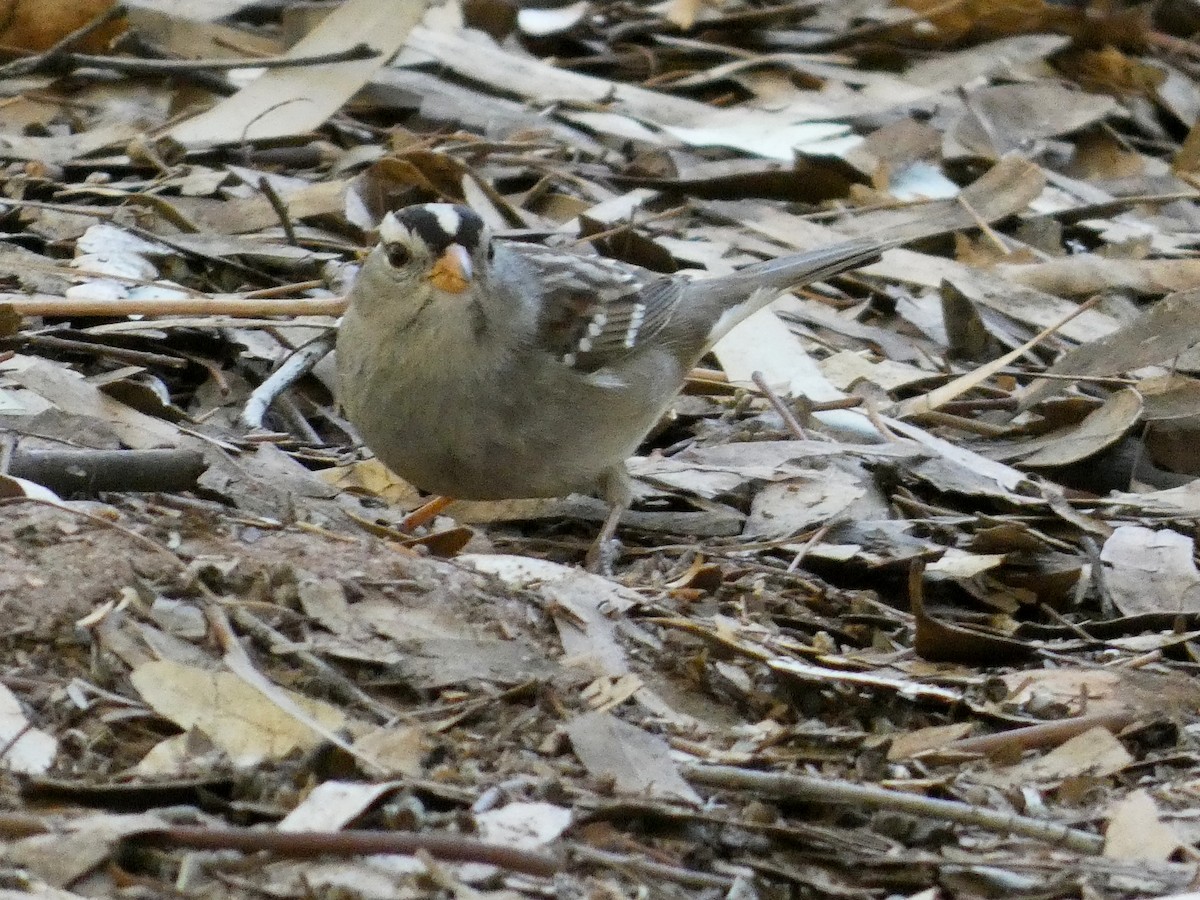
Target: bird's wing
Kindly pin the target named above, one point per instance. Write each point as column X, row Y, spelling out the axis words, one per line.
column 596, row 311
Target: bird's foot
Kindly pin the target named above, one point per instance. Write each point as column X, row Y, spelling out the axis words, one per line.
column 603, row 555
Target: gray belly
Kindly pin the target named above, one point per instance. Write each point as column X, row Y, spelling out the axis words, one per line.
column 475, row 441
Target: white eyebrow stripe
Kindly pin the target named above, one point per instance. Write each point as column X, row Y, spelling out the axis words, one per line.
column 447, row 217
column 391, row 231
column 636, row 316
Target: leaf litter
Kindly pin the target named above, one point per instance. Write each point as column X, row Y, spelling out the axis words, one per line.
column 905, row 605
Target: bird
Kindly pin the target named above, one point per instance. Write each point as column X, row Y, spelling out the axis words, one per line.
column 481, row 368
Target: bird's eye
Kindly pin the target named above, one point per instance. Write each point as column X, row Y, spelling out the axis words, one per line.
column 491, row 252
column 398, row 254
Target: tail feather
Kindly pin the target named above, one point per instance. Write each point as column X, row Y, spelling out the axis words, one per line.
column 749, row 289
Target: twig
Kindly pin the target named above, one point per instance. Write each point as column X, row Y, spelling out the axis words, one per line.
column 308, row 844
column 776, row 401
column 98, row 520
column 12, row 741
column 130, row 66
column 451, row 848
column 815, row 538
column 801, row 787
column 295, row 367
column 92, row 471
column 238, row 661
column 123, row 354
column 987, row 229
column 1042, row 735
column 631, row 223
column 972, row 426
column 953, row 389
column 338, row 684
column 425, row 513
column 56, row 52
column 281, row 210
column 221, row 305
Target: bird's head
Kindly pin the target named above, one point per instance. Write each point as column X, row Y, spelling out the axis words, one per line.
column 428, row 255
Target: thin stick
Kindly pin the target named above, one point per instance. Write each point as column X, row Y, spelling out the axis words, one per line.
column 295, row 367
column 56, row 52
column 306, row 845
column 221, row 305
column 776, row 401
column 801, row 787
column 131, row 66
column 952, row 389
column 983, row 225
column 98, row 520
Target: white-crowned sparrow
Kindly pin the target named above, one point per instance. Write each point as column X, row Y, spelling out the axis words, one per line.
column 485, row 369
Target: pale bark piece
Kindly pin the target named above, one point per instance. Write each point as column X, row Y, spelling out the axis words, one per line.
column 786, row 508
column 434, row 663
column 1006, row 188
column 639, row 113
column 977, row 473
column 524, row 825
column 961, row 564
column 11, row 486
column 1135, row 831
column 1078, row 690
column 1024, row 304
column 588, row 627
column 847, row 368
column 639, row 763
column 1150, row 571
column 878, row 681
column 1087, row 273
column 537, row 22
column 287, row 102
column 764, row 343
column 1181, row 502
column 62, row 148
column 912, row 743
column 324, row 600
column 333, row 805
column 588, row 630
column 27, row 750
column 397, row 751
column 1095, row 752
column 947, row 71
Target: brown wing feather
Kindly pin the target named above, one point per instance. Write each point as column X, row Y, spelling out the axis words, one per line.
column 596, row 310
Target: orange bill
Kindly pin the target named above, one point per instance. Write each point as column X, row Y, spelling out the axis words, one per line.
column 452, row 271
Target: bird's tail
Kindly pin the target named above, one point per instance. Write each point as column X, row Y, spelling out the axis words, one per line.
column 746, row 291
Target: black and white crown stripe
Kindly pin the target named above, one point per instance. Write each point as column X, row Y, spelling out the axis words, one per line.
column 437, row 225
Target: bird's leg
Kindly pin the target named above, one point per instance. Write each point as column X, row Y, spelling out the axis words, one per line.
column 615, row 489
column 425, row 513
